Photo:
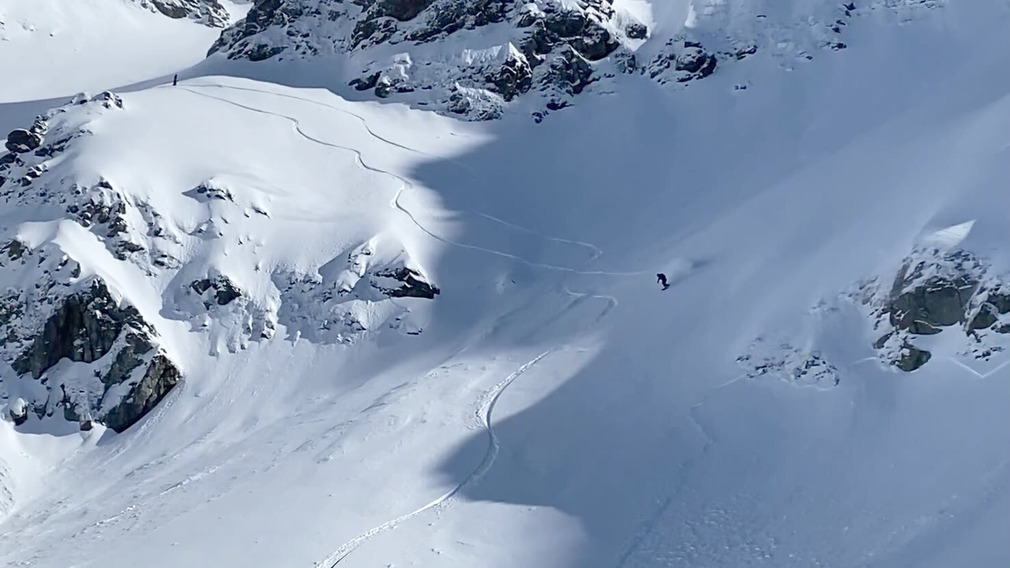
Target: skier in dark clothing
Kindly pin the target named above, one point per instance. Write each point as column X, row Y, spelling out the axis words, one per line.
column 661, row 279
column 175, row 80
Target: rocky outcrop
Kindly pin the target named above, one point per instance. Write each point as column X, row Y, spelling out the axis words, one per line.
column 20, row 141
column 551, row 48
column 407, row 283
column 128, row 374
column 83, row 328
column 209, row 12
column 935, row 292
column 924, row 299
column 160, row 377
column 219, row 288
column 436, row 55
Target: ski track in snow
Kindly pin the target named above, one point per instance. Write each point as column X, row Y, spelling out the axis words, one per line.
column 406, row 184
column 485, row 409
column 596, row 251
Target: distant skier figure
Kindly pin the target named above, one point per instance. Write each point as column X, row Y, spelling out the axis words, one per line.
column 661, row 279
column 175, row 81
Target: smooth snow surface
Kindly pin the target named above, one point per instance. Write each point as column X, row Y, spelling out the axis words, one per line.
column 558, row 409
column 55, row 48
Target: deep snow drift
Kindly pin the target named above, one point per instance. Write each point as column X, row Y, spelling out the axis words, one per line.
column 551, row 406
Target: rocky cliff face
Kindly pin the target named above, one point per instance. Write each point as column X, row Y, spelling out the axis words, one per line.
column 475, row 58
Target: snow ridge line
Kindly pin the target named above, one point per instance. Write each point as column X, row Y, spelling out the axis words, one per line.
column 485, row 409
column 597, row 252
column 406, row 184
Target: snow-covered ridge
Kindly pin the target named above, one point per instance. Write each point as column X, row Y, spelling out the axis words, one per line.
column 475, row 59
column 120, row 267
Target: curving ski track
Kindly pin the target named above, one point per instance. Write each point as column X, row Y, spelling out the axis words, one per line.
column 406, row 184
column 485, row 410
column 595, row 250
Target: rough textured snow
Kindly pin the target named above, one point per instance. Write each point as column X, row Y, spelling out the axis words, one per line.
column 551, row 406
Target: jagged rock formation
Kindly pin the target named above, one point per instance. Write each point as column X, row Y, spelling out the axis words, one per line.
column 406, row 283
column 439, row 54
column 20, row 141
column 550, row 46
column 932, row 292
column 209, row 12
column 128, row 375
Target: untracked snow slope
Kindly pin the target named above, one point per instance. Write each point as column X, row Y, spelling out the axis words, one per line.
column 55, row 48
column 551, row 406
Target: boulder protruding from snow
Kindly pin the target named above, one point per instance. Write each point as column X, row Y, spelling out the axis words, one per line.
column 935, row 291
column 404, row 282
column 21, row 141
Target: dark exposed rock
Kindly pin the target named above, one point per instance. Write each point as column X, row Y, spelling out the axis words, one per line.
column 262, row 52
column 211, row 12
column 935, row 290
column 84, row 328
column 984, row 318
column 108, row 99
column 130, row 357
column 413, row 284
column 367, row 83
column 402, row 10
column 20, row 141
column 14, row 249
column 636, row 30
column 571, row 72
column 224, row 291
column 932, row 304
column 513, row 79
column 912, row 358
column 451, row 16
column 696, row 62
column 210, row 192
column 594, row 42
column 161, row 376
column 91, row 327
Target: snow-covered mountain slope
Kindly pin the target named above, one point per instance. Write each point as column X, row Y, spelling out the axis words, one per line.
column 55, row 48
column 280, row 248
